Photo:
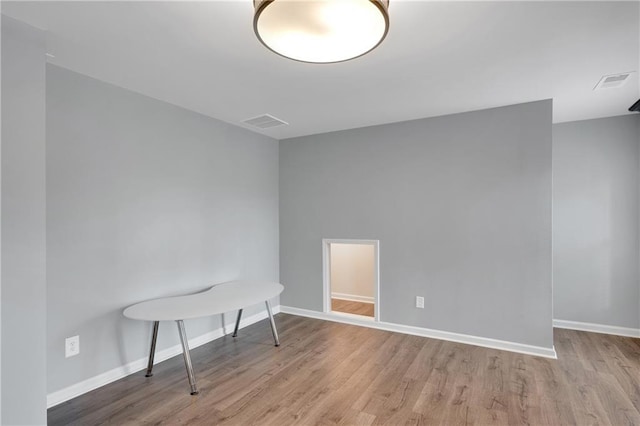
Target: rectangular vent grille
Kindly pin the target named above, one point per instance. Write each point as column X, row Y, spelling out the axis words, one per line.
column 265, row 121
column 612, row 81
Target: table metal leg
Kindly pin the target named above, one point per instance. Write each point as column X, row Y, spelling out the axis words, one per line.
column 273, row 324
column 187, row 357
column 152, row 353
column 235, row 330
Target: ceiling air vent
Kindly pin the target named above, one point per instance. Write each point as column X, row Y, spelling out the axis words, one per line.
column 265, row 121
column 613, row 81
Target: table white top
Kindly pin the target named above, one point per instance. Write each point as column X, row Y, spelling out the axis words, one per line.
column 220, row 298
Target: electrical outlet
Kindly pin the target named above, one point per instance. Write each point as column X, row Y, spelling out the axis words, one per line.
column 419, row 302
column 71, row 346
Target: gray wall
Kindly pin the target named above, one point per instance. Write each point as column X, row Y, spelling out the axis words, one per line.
column 23, row 225
column 461, row 205
column 0, row 225
column 595, row 220
column 145, row 199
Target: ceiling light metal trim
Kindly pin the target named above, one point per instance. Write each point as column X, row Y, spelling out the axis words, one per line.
column 261, row 5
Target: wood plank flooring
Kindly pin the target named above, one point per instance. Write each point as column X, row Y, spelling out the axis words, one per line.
column 331, row 373
column 358, row 308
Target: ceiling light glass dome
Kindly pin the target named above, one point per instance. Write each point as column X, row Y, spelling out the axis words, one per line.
column 321, row 31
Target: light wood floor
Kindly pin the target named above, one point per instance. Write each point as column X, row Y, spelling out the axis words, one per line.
column 331, row 373
column 358, row 308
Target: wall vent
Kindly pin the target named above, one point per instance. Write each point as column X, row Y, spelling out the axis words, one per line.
column 613, row 81
column 265, row 121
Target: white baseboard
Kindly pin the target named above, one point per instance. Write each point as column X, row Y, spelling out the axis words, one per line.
column 352, row 297
column 426, row 332
column 117, row 373
column 597, row 328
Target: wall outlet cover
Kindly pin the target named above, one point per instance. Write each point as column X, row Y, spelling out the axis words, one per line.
column 420, row 302
column 71, row 346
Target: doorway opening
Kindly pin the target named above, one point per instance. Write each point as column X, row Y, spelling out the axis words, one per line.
column 351, row 278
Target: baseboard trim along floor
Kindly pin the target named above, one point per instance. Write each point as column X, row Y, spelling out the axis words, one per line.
column 597, row 328
column 118, row 373
column 352, row 297
column 426, row 332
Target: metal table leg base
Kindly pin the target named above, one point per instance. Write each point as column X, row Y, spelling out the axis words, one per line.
column 235, row 330
column 187, row 357
column 154, row 339
column 273, row 324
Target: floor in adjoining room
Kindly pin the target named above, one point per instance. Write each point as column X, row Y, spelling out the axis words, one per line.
column 331, row 373
column 350, row 307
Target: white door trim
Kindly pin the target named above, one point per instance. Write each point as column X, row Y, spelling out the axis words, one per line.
column 326, row 272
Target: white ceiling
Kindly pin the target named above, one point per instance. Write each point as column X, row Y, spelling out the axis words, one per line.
column 439, row 58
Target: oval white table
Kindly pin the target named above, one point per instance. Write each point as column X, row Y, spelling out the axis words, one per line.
column 221, row 298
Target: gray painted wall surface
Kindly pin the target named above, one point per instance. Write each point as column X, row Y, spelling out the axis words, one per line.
column 1, row 225
column 595, row 220
column 461, row 205
column 23, row 225
column 145, row 200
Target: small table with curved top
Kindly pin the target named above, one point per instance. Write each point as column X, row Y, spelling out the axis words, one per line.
column 221, row 298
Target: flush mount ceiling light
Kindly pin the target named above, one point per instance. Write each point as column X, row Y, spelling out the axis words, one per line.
column 321, row 31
